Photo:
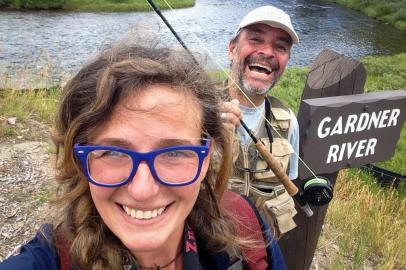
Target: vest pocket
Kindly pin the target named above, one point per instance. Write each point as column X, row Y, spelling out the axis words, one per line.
column 278, row 210
column 281, row 151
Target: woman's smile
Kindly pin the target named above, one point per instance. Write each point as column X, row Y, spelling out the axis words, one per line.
column 140, row 214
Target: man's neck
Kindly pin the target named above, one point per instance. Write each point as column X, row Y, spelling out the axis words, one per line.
column 247, row 101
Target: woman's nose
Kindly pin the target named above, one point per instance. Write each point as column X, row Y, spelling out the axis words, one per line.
column 143, row 185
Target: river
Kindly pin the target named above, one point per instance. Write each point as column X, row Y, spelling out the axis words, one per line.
column 33, row 40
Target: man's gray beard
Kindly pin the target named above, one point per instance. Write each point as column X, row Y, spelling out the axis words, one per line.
column 244, row 85
column 250, row 90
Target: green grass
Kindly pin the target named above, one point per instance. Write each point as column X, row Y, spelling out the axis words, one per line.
column 367, row 221
column 123, row 5
column 44, row 196
column 94, row 5
column 7, row 131
column 392, row 11
column 41, row 103
column 289, row 88
column 51, row 148
column 385, row 72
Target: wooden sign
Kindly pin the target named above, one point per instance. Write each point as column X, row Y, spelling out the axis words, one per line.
column 350, row 131
column 331, row 74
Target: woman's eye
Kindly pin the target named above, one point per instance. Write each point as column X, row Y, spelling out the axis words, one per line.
column 109, row 153
column 113, row 153
column 180, row 154
column 174, row 154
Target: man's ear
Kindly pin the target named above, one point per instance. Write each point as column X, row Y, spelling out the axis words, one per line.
column 232, row 47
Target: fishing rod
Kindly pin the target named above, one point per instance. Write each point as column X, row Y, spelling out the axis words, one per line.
column 279, row 172
column 275, row 166
column 159, row 13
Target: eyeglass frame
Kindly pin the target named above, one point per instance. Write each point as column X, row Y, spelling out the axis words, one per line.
column 82, row 151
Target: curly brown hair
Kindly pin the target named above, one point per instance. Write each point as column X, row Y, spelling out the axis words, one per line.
column 87, row 102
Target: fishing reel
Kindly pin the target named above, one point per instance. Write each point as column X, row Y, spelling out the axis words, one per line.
column 317, row 191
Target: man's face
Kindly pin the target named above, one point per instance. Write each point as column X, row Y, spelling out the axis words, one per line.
column 258, row 58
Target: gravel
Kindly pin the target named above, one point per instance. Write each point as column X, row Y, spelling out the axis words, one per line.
column 26, row 185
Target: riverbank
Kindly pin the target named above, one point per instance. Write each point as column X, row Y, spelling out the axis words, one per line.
column 363, row 224
column 92, row 5
column 393, row 12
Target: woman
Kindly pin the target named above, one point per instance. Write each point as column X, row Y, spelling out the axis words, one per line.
column 134, row 134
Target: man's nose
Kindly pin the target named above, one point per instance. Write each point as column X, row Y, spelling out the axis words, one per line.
column 267, row 50
column 143, row 185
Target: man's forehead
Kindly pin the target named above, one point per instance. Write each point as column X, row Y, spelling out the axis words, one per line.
column 261, row 28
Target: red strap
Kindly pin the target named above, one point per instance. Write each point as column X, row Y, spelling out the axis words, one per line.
column 247, row 226
column 63, row 251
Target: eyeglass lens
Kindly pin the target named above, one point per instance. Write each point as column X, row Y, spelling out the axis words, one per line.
column 113, row 167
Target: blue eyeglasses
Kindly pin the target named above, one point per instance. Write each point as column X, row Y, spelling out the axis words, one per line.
column 110, row 166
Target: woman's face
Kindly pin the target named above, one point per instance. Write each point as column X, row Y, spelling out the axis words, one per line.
column 157, row 117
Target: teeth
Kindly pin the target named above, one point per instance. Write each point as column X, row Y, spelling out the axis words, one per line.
column 261, row 66
column 127, row 210
column 139, row 214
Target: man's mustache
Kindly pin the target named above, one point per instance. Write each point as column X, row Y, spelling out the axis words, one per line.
column 270, row 61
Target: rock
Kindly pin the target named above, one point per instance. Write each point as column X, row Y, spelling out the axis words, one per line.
column 6, row 235
column 12, row 120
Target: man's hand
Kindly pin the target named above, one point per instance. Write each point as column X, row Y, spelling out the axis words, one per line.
column 231, row 114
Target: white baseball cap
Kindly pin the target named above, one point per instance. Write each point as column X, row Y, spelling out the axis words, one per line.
column 271, row 16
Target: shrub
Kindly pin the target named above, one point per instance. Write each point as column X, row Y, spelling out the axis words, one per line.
column 36, row 4
column 4, row 3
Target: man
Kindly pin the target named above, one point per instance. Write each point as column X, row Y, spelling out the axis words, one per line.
column 259, row 53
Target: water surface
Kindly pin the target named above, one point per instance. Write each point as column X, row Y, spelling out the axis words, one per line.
column 65, row 40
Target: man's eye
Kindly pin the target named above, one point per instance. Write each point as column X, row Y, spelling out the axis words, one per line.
column 282, row 48
column 255, row 39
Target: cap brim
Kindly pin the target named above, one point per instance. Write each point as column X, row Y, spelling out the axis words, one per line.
column 292, row 33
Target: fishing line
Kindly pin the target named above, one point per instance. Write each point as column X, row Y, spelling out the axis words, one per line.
column 225, row 72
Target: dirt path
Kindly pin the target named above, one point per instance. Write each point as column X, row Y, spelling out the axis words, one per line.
column 26, row 181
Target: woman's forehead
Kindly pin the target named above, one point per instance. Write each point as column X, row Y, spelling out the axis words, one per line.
column 156, row 97
column 156, row 112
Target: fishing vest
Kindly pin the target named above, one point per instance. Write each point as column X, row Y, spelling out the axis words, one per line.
column 252, row 176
